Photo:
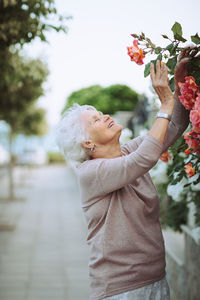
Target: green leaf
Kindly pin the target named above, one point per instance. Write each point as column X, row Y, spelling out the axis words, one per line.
column 159, row 57
column 177, row 29
column 187, row 184
column 196, row 181
column 172, row 63
column 158, row 50
column 172, row 48
column 195, row 38
column 172, row 84
column 179, row 37
column 169, row 47
column 147, row 69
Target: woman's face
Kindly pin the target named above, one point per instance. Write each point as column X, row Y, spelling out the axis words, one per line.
column 101, row 128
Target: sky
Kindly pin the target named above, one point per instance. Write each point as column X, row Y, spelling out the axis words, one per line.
column 94, row 49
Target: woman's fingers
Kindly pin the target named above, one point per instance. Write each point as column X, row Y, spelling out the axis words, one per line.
column 184, row 61
column 182, row 54
column 160, row 74
column 162, row 66
column 193, row 52
column 189, row 51
column 164, row 73
column 160, row 81
column 158, row 71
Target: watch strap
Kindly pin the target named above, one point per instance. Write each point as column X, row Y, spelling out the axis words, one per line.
column 163, row 115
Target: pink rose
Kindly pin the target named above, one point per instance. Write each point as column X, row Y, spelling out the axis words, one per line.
column 197, row 103
column 195, row 117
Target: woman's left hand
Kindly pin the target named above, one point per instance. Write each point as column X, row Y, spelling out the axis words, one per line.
column 181, row 69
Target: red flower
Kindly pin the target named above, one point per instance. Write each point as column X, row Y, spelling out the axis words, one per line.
column 192, row 139
column 188, row 91
column 189, row 170
column 187, row 151
column 136, row 53
column 165, row 156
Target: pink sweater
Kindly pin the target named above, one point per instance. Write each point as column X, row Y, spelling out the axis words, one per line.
column 121, row 207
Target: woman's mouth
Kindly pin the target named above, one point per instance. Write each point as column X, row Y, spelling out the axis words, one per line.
column 110, row 124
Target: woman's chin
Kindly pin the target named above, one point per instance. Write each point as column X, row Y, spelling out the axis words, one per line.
column 120, row 127
column 117, row 127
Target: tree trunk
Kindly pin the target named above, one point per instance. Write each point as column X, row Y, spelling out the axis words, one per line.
column 11, row 167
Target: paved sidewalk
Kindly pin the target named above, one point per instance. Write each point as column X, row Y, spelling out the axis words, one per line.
column 46, row 255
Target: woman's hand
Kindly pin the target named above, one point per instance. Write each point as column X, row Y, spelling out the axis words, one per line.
column 160, row 82
column 181, row 69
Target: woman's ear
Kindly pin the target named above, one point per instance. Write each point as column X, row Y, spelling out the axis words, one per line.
column 87, row 144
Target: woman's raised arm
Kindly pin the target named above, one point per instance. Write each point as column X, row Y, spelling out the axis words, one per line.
column 161, row 86
column 180, row 116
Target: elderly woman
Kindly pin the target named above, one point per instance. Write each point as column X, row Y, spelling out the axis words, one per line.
column 119, row 199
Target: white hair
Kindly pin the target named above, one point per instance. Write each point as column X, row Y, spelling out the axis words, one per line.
column 70, row 134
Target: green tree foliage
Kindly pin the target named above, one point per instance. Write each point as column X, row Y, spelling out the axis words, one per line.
column 21, row 79
column 21, row 21
column 34, row 122
column 20, row 86
column 109, row 100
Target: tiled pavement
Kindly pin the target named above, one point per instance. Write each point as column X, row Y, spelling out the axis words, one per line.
column 46, row 255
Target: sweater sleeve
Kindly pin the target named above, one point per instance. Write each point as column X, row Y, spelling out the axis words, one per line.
column 133, row 144
column 177, row 125
column 103, row 176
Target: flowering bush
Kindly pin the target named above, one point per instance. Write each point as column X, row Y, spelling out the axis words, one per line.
column 183, row 157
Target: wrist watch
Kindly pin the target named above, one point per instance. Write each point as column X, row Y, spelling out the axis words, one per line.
column 163, row 115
